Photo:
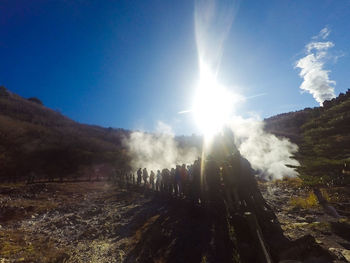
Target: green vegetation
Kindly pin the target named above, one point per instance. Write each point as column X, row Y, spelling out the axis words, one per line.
column 323, row 137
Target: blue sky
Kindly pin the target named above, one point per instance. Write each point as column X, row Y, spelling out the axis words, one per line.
column 130, row 64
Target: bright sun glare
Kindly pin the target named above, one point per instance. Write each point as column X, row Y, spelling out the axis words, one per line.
column 213, row 103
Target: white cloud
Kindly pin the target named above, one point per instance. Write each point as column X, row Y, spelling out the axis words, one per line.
column 319, row 46
column 324, row 33
column 316, row 78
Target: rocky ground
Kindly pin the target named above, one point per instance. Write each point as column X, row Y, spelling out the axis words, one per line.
column 299, row 214
column 70, row 222
column 99, row 222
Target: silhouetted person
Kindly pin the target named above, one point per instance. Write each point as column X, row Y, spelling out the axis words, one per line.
column 166, row 179
column 184, row 179
column 151, row 179
column 162, row 181
column 145, row 176
column 139, row 175
column 177, row 180
column 171, row 180
column 158, row 180
column 196, row 181
column 190, row 181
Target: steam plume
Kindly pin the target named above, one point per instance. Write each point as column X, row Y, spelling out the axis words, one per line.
column 267, row 153
column 316, row 78
column 158, row 151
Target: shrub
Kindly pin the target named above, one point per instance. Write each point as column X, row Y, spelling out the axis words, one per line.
column 36, row 100
column 3, row 92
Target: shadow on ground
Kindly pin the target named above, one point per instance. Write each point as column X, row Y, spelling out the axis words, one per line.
column 175, row 231
column 170, row 230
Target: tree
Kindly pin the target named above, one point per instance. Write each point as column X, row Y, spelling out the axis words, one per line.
column 35, row 100
column 3, row 92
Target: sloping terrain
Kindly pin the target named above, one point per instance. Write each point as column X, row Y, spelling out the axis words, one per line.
column 36, row 139
column 323, row 137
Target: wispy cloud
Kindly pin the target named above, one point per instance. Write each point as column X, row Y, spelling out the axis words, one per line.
column 324, row 33
column 318, row 46
column 316, row 78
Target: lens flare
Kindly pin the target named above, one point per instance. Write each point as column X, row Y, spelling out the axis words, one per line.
column 213, row 104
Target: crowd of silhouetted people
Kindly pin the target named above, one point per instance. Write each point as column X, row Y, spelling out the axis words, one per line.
column 201, row 182
column 181, row 181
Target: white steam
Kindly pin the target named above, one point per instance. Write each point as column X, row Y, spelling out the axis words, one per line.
column 159, row 150
column 267, row 153
column 316, row 78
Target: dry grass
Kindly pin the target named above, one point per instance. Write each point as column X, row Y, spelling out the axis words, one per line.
column 17, row 245
column 290, row 182
column 12, row 185
column 36, row 205
column 21, row 208
column 314, row 226
column 320, row 226
column 308, row 201
column 20, row 245
column 83, row 187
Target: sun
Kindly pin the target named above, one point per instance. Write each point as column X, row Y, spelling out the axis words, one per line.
column 213, row 103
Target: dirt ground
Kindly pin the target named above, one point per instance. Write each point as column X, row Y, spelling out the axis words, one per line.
column 299, row 215
column 99, row 222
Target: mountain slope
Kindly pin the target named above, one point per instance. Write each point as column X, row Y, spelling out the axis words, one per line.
column 323, row 137
column 34, row 138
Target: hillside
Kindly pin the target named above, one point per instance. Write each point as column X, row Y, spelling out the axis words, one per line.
column 323, row 137
column 36, row 139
